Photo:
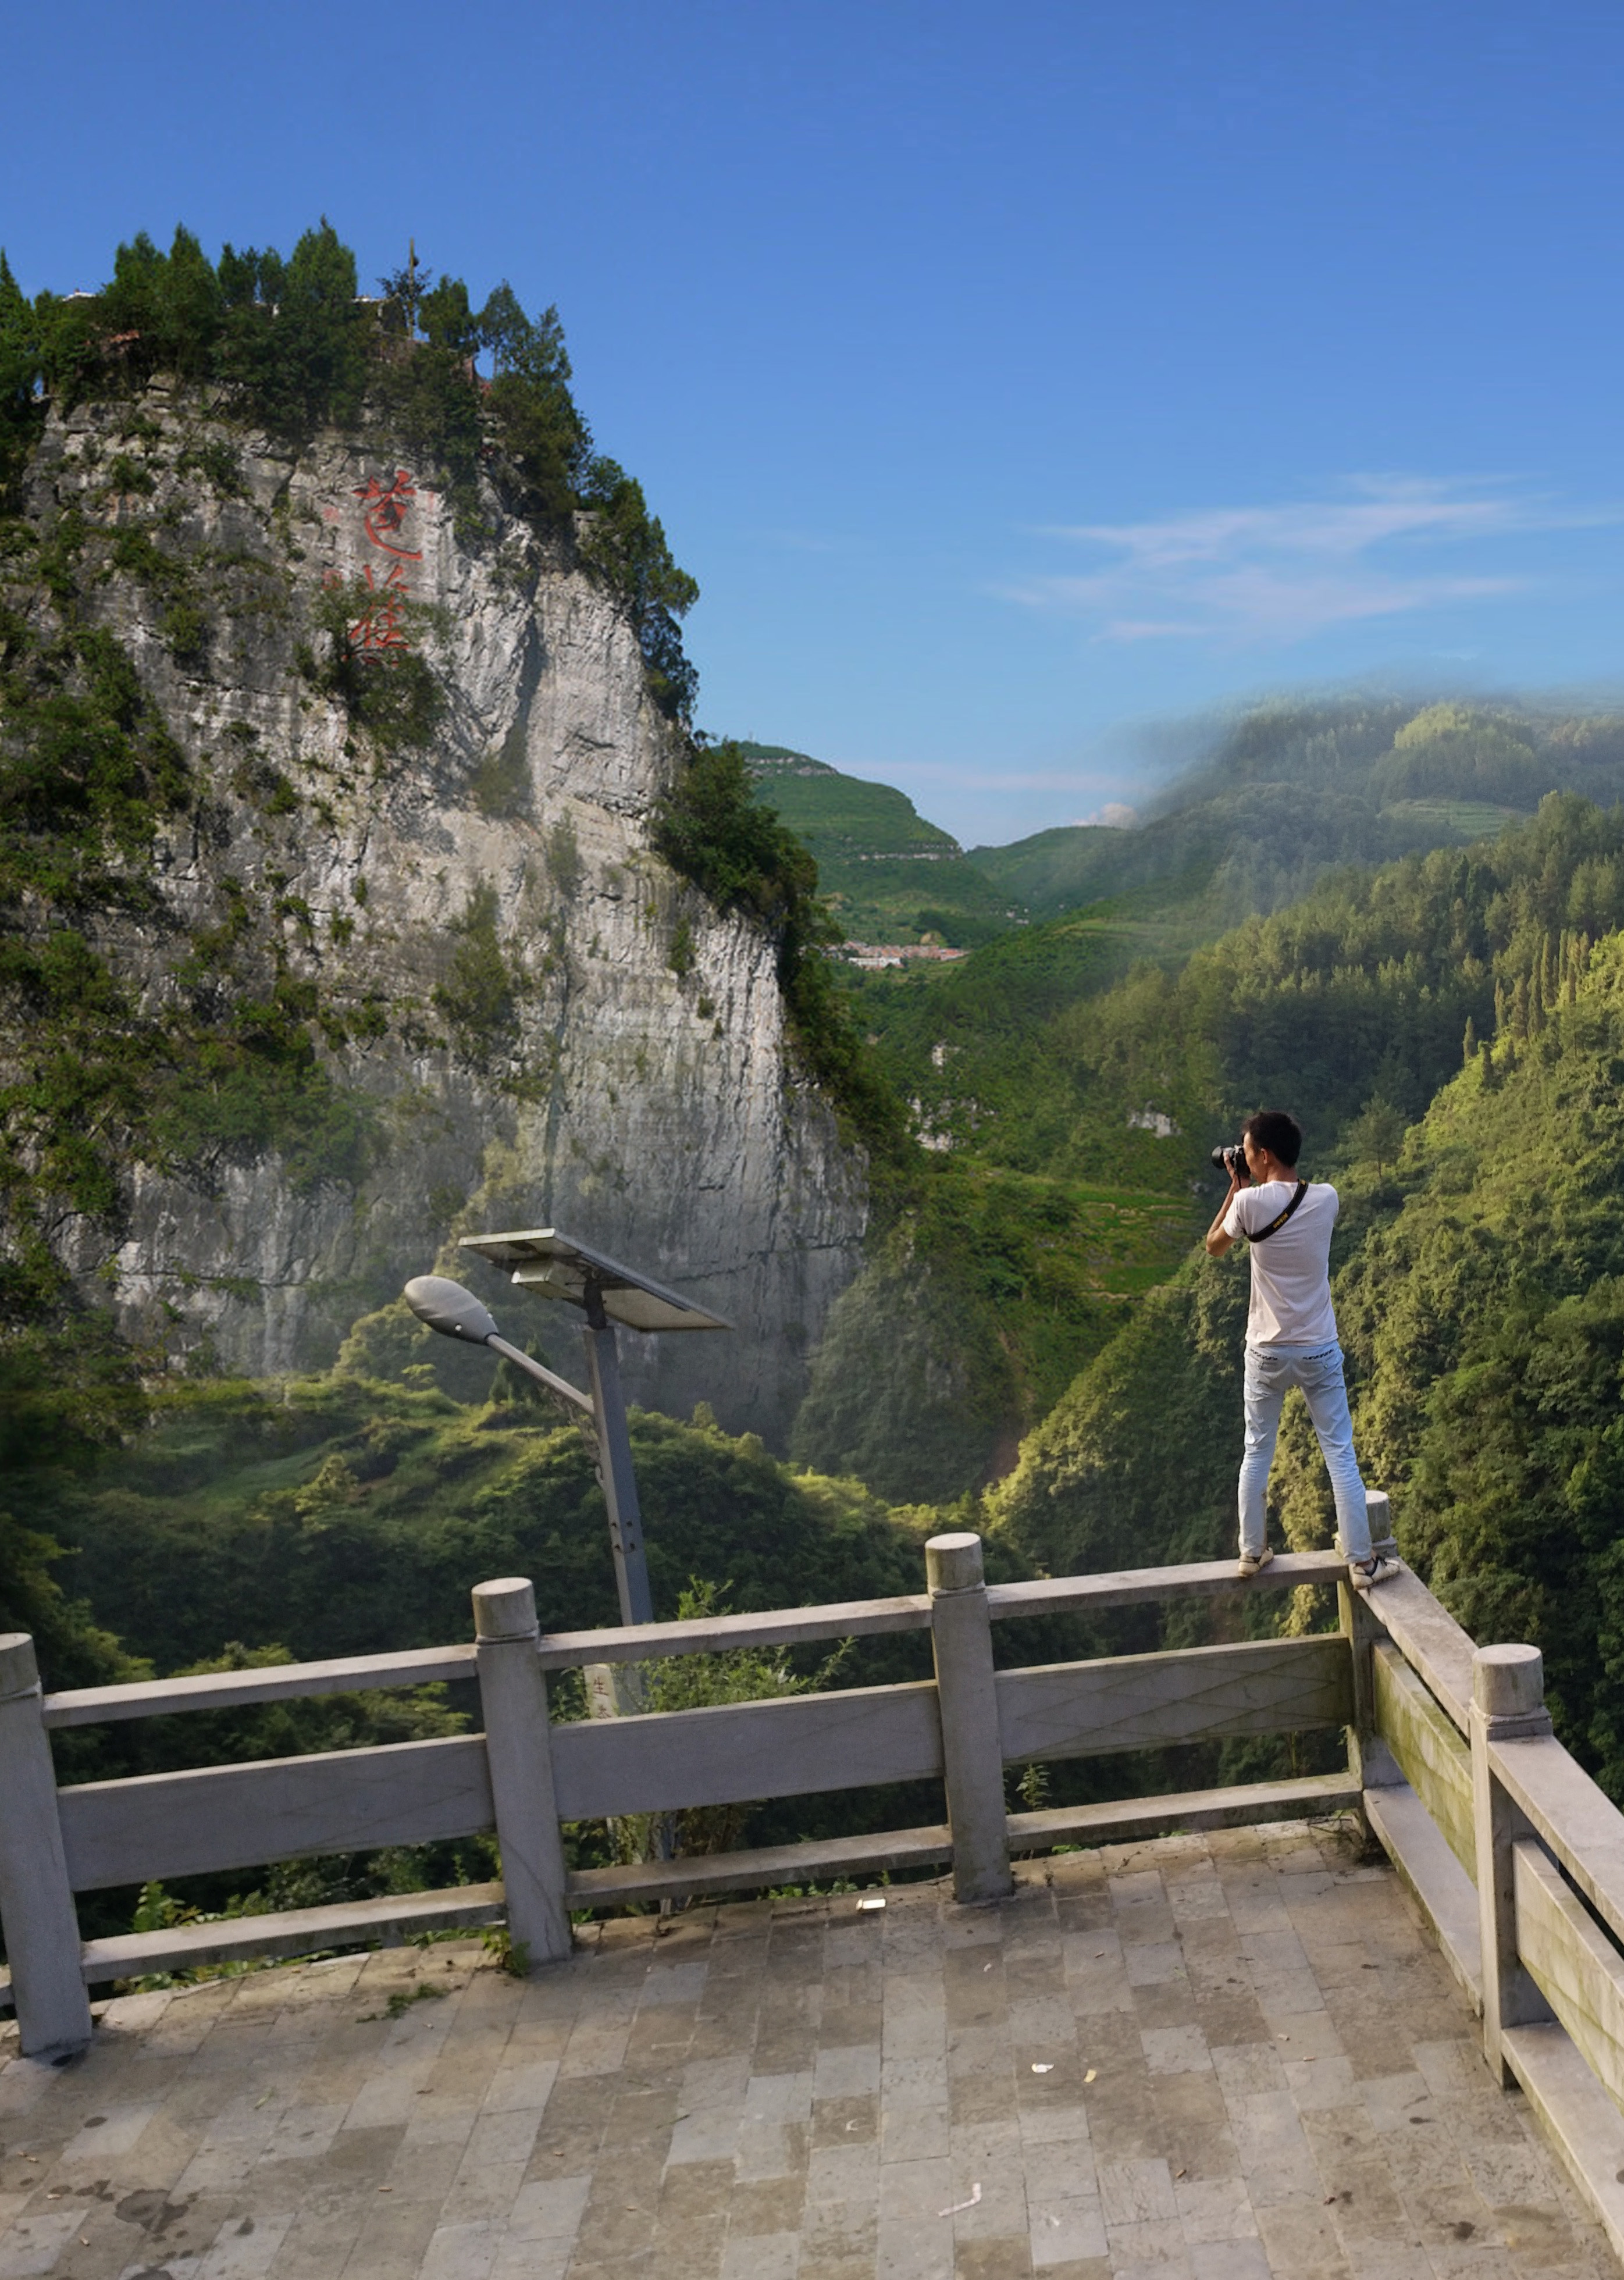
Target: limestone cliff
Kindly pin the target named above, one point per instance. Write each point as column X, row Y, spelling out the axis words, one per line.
column 424, row 764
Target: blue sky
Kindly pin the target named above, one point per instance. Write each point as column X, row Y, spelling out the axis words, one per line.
column 1010, row 378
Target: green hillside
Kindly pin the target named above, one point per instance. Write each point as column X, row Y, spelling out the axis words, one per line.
column 1062, row 1054
column 1480, row 1294
column 1290, row 792
column 977, row 1310
column 348, row 1515
column 840, row 816
column 887, row 875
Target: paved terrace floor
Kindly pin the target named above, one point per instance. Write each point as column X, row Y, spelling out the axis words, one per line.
column 1201, row 2059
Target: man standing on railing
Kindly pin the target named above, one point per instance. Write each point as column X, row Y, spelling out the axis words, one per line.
column 1291, row 1332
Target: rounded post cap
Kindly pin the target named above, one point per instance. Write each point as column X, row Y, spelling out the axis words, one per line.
column 505, row 1608
column 953, row 1563
column 1508, row 1681
column 20, row 1670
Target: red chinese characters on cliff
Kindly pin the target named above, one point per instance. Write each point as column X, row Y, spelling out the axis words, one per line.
column 382, row 630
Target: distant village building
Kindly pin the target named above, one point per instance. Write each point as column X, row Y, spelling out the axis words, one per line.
column 873, row 955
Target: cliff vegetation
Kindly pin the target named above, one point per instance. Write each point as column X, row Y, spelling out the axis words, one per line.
column 287, row 346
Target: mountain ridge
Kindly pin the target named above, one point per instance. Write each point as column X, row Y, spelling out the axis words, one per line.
column 1288, row 793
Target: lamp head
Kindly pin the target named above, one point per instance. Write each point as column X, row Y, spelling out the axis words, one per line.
column 447, row 1307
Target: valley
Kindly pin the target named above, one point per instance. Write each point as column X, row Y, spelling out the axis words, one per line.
column 311, row 963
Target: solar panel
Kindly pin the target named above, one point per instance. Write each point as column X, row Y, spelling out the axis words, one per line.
column 555, row 1265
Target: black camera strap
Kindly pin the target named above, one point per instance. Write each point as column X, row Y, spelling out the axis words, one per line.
column 1274, row 1225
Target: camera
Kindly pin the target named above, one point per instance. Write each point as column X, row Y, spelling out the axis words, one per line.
column 1232, row 1159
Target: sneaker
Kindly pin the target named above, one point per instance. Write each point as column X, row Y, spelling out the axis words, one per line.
column 1250, row 1561
column 1362, row 1574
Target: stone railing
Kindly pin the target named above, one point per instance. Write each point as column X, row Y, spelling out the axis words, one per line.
column 1514, row 1854
column 1516, row 1858
column 525, row 1774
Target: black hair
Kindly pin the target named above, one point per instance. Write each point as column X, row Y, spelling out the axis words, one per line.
column 1273, row 1130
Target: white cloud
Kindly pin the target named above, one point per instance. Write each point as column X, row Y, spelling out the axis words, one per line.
column 1272, row 575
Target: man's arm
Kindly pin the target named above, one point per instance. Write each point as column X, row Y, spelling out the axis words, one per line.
column 1217, row 1240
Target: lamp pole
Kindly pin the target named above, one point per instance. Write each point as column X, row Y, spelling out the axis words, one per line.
column 457, row 1313
column 614, row 1470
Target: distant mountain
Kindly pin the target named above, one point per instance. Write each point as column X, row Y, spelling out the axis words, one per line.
column 1290, row 792
column 841, row 818
column 889, row 875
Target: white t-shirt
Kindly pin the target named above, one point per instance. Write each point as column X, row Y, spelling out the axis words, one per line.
column 1290, row 1269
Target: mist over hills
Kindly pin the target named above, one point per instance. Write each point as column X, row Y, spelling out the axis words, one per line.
column 1286, row 793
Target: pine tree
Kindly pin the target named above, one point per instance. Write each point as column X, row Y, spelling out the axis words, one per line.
column 1468, row 1044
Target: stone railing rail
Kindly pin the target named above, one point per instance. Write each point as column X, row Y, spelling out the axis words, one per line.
column 524, row 1774
column 1514, row 1854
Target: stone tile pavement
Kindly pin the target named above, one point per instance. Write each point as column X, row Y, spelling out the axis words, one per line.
column 1202, row 2059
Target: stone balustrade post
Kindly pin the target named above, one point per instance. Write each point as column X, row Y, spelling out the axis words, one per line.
column 1370, row 1761
column 1357, row 1625
column 36, row 1900
column 519, row 1750
column 1378, row 1513
column 1508, row 1701
column 961, row 1636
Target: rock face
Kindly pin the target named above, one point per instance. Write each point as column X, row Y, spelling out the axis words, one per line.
column 566, row 1032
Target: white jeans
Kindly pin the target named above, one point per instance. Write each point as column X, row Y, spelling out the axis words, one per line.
column 1270, row 1372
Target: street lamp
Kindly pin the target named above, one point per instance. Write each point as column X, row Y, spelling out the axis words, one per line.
column 447, row 1307
column 554, row 1265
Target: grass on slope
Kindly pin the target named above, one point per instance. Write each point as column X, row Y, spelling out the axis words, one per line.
column 839, row 813
column 887, row 874
column 977, row 1050
column 341, row 1516
column 1464, row 820
column 972, row 1318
